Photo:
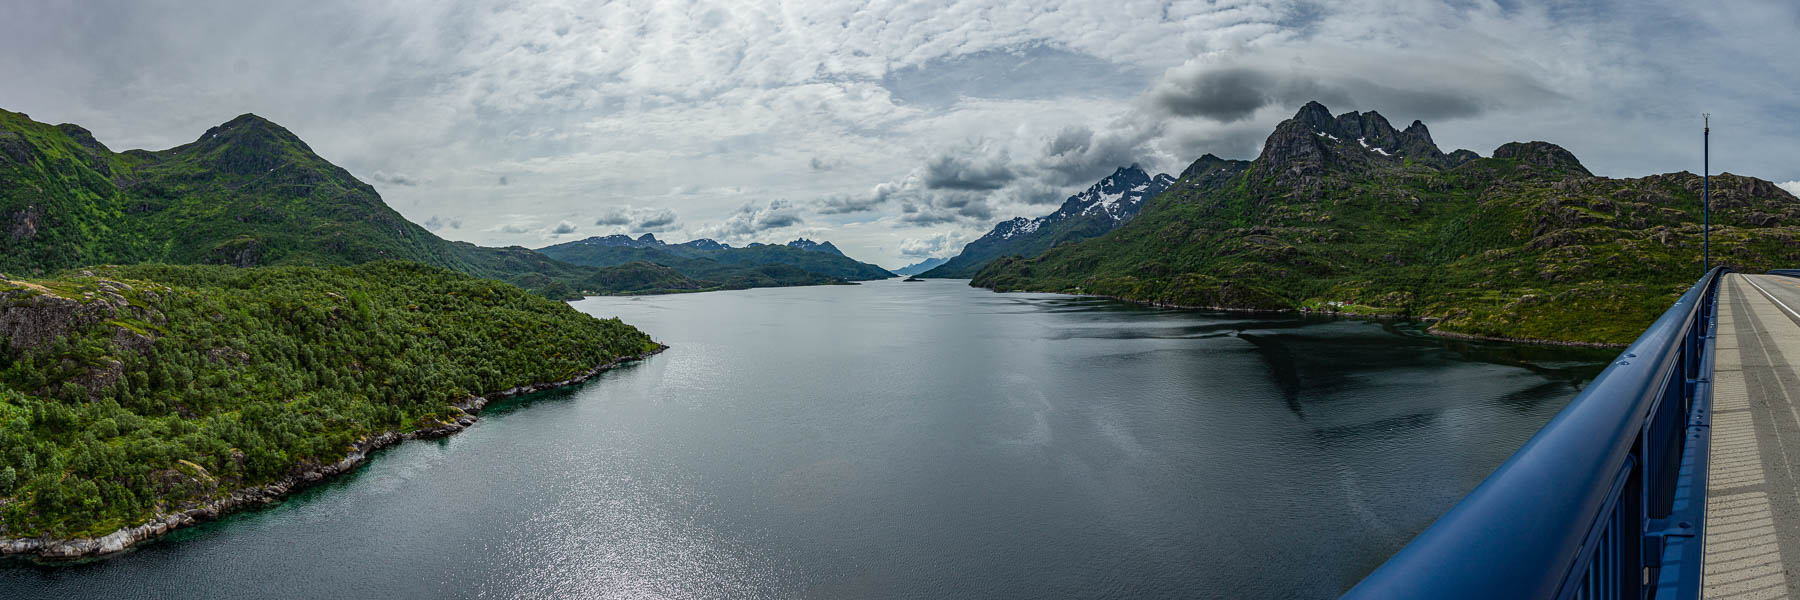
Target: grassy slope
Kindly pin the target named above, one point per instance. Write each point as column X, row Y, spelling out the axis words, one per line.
column 1496, row 247
column 130, row 390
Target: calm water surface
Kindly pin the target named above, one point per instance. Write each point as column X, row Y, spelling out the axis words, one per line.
column 904, row 440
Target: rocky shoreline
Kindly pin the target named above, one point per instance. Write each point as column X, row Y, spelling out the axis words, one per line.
column 47, row 549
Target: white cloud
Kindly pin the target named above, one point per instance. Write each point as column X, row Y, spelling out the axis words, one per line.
column 753, row 219
column 943, row 244
column 1792, row 187
column 527, row 114
column 628, row 219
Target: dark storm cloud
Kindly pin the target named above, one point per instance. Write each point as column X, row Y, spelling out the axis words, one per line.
column 656, row 220
column 638, row 220
column 1233, row 88
column 1080, row 155
column 938, row 207
column 975, row 168
column 1227, row 94
column 842, row 204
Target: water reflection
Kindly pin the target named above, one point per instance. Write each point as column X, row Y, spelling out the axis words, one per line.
column 907, row 440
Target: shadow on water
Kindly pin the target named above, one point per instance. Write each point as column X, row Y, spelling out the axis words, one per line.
column 1302, row 362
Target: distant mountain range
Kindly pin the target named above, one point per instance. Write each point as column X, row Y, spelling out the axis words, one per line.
column 800, row 262
column 1348, row 214
column 1102, row 207
column 251, row 193
column 920, row 267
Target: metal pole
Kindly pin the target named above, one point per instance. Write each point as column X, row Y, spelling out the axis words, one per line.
column 1706, row 177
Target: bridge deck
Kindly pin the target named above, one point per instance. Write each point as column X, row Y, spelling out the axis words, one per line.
column 1753, row 492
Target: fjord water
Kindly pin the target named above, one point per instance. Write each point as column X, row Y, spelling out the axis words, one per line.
column 905, row 440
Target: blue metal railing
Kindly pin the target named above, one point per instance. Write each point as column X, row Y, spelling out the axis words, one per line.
column 1604, row 502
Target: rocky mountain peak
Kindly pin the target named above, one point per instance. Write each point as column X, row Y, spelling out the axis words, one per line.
column 1315, row 117
column 812, row 246
column 1313, row 142
column 1117, row 197
column 1543, row 155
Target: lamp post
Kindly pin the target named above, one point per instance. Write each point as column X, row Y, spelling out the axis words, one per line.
column 1706, row 179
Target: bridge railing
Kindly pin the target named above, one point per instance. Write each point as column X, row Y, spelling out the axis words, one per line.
column 1606, row 501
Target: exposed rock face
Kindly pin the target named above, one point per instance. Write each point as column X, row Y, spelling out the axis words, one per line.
column 241, row 252
column 1314, row 141
column 1541, row 154
column 1210, row 171
column 83, row 137
column 14, row 148
column 24, row 223
column 30, row 318
column 1459, row 157
column 812, row 246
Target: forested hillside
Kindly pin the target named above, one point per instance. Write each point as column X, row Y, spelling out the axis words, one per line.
column 1348, row 214
column 129, row 392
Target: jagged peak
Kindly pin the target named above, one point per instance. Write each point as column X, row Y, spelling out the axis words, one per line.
column 813, row 246
column 1313, row 142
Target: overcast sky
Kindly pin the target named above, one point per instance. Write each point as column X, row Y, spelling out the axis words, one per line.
column 896, row 130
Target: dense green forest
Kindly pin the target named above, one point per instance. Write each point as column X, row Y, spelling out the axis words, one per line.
column 136, row 390
column 1523, row 244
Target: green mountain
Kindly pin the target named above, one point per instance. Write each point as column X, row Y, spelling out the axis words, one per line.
column 1102, row 207
column 801, row 262
column 140, row 398
column 1348, row 214
column 247, row 193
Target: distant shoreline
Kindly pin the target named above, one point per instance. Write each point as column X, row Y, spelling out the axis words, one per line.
column 1432, row 330
column 46, row 550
